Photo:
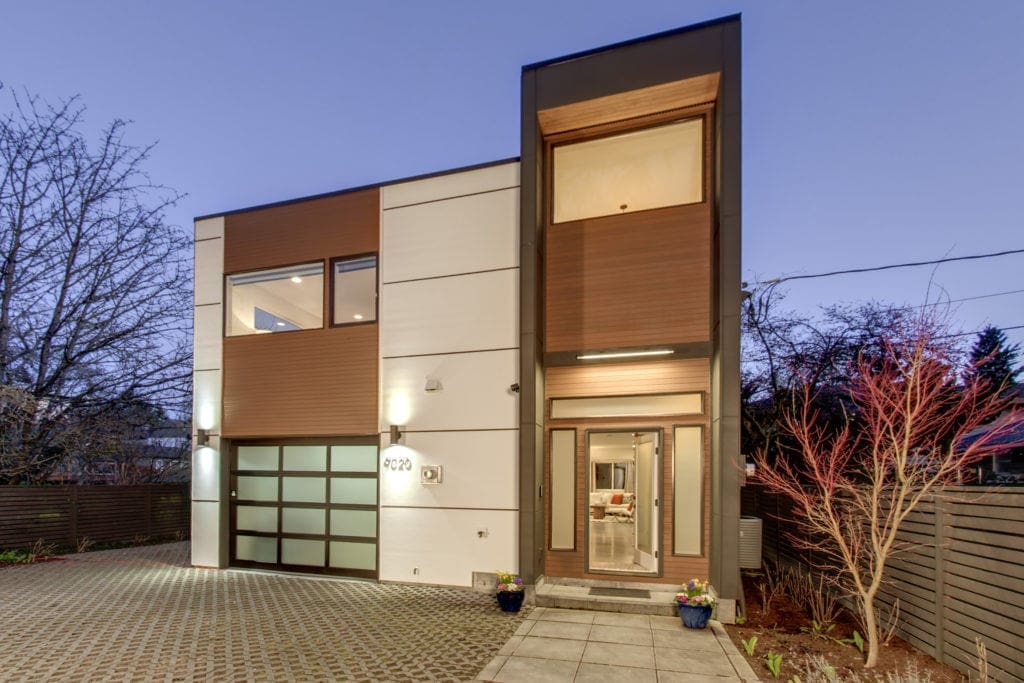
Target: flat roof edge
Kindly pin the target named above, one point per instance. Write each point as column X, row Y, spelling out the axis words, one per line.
column 359, row 188
column 634, row 41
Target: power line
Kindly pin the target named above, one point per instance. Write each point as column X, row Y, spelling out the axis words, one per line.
column 968, row 298
column 967, row 334
column 908, row 264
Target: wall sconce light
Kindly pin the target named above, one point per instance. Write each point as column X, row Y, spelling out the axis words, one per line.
column 202, row 437
column 396, row 434
column 433, row 385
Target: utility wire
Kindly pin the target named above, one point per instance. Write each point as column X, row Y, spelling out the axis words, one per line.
column 909, row 264
column 967, row 334
column 968, row 298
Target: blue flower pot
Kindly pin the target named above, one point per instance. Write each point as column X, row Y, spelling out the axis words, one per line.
column 511, row 601
column 694, row 616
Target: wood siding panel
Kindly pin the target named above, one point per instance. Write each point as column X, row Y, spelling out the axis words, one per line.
column 638, row 279
column 629, row 105
column 621, row 379
column 305, row 383
column 313, row 230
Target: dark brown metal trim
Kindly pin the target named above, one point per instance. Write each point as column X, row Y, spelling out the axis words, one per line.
column 331, row 288
column 360, row 188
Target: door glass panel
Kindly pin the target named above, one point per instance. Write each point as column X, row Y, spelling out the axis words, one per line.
column 361, row 491
column 256, row 549
column 255, row 518
column 304, row 489
column 354, row 458
column 622, row 470
column 352, row 555
column 298, row 551
column 305, row 458
column 257, row 488
column 303, row 521
column 644, row 472
column 257, row 457
column 354, row 523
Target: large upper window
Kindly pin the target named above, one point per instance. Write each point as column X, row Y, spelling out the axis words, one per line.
column 635, row 171
column 277, row 300
column 355, row 290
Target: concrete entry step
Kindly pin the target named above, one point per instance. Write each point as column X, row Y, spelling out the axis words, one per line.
column 606, row 596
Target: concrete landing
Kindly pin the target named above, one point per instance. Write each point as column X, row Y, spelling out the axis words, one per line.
column 575, row 594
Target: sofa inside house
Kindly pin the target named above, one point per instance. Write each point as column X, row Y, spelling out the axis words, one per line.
column 621, row 504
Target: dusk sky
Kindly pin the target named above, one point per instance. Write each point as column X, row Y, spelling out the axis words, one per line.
column 874, row 132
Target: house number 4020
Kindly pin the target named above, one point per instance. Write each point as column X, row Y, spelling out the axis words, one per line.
column 398, row 464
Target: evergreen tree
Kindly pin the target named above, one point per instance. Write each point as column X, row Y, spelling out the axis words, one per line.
column 993, row 359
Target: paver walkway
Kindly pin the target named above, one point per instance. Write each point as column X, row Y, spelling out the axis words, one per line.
column 576, row 645
column 143, row 614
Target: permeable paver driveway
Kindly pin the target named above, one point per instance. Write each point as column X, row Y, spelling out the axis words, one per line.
column 144, row 614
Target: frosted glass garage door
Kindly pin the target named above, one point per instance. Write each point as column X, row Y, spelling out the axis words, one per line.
column 305, row 507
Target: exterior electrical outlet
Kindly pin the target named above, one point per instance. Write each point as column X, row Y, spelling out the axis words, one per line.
column 560, row 330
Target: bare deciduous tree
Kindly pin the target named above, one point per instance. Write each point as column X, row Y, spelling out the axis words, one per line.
column 853, row 488
column 94, row 284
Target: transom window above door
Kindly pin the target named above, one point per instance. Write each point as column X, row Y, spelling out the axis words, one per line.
column 635, row 171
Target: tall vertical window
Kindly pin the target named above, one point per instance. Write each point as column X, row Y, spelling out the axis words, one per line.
column 635, row 171
column 276, row 300
column 355, row 290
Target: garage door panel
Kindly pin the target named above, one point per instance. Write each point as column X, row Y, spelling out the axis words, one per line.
column 304, row 489
column 303, row 521
column 353, row 555
column 305, row 458
column 257, row 488
column 306, row 506
column 254, row 518
column 256, row 549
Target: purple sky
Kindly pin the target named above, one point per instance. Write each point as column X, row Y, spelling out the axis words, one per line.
column 874, row 132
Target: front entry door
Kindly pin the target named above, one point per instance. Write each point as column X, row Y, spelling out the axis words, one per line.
column 646, row 552
column 623, row 482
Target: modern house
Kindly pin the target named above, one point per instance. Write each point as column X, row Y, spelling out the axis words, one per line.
column 531, row 364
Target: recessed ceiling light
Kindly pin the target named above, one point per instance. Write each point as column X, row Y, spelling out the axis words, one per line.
column 296, row 279
column 279, row 324
column 358, row 316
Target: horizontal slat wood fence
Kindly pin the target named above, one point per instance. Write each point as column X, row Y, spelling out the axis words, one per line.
column 961, row 576
column 63, row 515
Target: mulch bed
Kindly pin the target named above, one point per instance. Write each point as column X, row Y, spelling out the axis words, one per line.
column 780, row 631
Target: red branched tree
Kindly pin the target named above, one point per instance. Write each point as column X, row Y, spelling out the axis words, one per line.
column 853, row 488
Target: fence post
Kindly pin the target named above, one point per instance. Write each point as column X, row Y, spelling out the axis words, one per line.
column 73, row 517
column 940, row 577
column 149, row 510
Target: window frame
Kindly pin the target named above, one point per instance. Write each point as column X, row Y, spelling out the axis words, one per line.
column 376, row 289
column 704, row 112
column 226, row 303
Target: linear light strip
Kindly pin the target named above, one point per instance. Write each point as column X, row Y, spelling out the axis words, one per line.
column 625, row 354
